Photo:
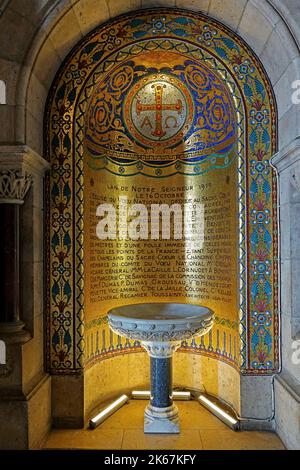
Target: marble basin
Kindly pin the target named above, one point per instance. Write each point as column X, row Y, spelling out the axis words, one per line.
column 161, row 327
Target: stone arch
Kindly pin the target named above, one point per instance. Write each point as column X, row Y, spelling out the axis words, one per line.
column 66, row 353
column 46, row 34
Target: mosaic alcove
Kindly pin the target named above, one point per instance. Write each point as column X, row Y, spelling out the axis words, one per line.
column 100, row 141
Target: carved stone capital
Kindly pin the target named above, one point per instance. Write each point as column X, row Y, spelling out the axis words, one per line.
column 161, row 350
column 14, row 185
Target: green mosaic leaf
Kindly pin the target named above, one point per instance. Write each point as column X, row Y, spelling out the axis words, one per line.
column 248, row 90
column 67, row 241
column 55, row 291
column 55, row 241
column 67, row 191
column 182, row 20
column 179, row 32
column 139, row 34
column 67, row 290
column 221, row 52
column 136, row 22
column 253, row 139
column 259, row 88
column 266, row 138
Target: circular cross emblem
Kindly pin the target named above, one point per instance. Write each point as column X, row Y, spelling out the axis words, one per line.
column 159, row 109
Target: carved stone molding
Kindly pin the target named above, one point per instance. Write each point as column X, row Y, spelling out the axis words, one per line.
column 161, row 350
column 14, row 186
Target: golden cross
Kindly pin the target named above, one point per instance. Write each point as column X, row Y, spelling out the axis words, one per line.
column 159, row 107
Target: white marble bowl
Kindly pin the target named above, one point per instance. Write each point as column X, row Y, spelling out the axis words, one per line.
column 161, row 322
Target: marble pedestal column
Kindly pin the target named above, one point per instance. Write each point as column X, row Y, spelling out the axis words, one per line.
column 161, row 415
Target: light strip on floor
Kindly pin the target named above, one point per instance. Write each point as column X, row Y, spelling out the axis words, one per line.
column 145, row 395
column 219, row 412
column 140, row 394
column 181, row 395
column 108, row 411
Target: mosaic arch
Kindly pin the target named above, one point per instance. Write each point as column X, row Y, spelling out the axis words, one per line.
column 159, row 94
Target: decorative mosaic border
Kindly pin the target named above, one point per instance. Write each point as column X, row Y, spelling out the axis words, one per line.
column 259, row 331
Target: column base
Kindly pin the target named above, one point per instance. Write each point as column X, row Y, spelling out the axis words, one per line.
column 161, row 420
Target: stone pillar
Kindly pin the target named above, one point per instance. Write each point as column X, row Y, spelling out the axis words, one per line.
column 25, row 387
column 287, row 390
column 161, row 415
column 13, row 188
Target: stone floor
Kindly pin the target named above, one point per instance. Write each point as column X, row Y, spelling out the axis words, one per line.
column 199, row 430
